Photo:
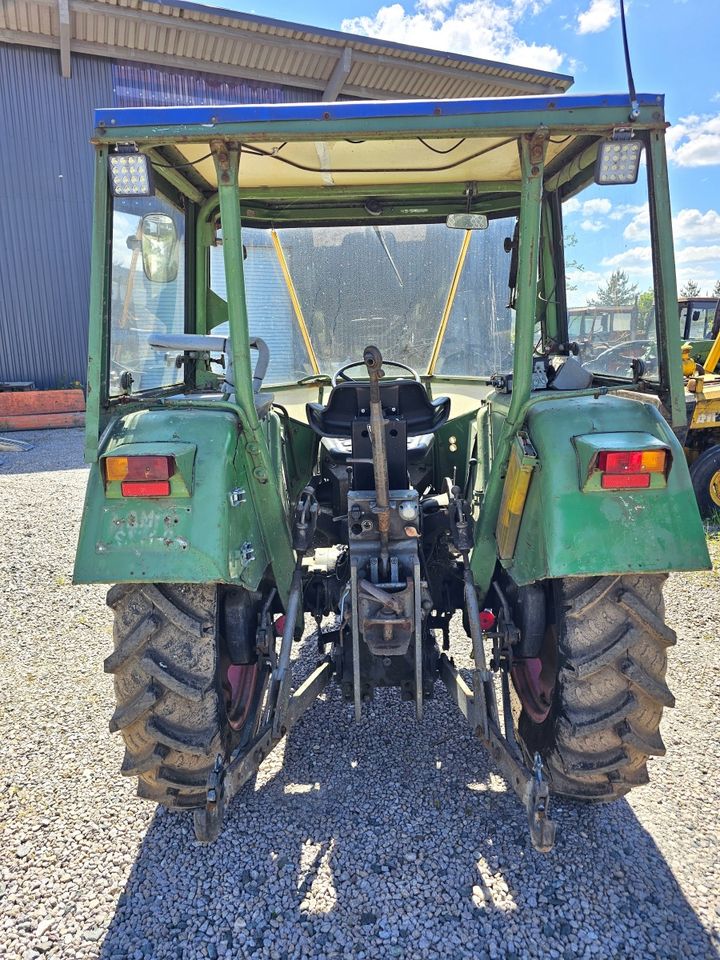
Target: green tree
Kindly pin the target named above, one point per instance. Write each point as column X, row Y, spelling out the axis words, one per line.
column 691, row 289
column 646, row 312
column 716, row 289
column 570, row 240
column 645, row 302
column 616, row 290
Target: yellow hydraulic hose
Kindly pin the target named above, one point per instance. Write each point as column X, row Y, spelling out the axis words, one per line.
column 294, row 300
column 449, row 303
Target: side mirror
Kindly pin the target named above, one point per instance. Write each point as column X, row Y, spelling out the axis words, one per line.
column 159, row 244
column 467, row 221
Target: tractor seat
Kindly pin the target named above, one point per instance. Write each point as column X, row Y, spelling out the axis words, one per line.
column 339, row 449
column 401, row 400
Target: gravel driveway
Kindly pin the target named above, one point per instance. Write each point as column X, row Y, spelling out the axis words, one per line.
column 391, row 839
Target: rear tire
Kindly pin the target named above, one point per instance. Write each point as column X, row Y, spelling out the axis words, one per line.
column 171, row 708
column 610, row 690
column 705, row 476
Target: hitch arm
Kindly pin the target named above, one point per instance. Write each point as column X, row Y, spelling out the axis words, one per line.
column 228, row 777
column 529, row 785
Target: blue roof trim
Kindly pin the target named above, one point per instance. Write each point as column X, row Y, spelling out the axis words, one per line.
column 355, row 110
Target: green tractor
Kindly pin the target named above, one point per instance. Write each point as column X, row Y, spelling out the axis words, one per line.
column 330, row 374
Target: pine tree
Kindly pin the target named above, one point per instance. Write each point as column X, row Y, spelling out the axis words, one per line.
column 617, row 290
column 691, row 289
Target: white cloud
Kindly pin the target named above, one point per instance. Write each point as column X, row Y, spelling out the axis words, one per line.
column 689, row 225
column 626, row 210
column 479, row 28
column 593, row 226
column 694, row 141
column 598, row 205
column 598, row 16
column 635, row 259
column 696, row 255
column 639, row 226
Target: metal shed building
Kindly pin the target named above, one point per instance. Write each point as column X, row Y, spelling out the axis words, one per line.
column 59, row 59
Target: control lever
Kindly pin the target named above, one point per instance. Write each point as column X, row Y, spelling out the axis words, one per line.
column 373, row 361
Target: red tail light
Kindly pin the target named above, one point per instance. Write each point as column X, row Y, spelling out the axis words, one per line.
column 141, row 488
column 611, row 481
column 630, row 469
column 141, row 476
column 632, row 461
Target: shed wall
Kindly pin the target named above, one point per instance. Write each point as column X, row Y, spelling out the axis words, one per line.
column 46, row 192
column 45, row 219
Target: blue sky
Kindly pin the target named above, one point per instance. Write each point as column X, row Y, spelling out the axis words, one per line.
column 674, row 49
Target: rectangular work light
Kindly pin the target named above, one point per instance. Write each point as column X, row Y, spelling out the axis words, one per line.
column 130, row 173
column 618, row 159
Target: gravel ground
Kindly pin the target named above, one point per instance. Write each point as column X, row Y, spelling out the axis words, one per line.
column 391, row 839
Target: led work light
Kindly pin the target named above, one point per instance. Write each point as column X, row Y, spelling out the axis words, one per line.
column 618, row 159
column 130, row 174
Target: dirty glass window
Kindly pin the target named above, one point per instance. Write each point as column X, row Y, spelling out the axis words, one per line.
column 140, row 307
column 479, row 337
column 610, row 282
column 356, row 285
column 270, row 311
column 384, row 285
column 702, row 320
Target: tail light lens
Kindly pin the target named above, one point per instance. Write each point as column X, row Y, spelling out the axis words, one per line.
column 142, row 488
column 632, row 461
column 630, row 469
column 141, row 476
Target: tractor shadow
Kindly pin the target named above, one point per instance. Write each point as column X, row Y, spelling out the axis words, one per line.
column 397, row 839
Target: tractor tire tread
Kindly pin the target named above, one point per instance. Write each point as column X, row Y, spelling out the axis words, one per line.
column 133, row 643
column 133, row 765
column 172, row 678
column 610, row 690
column 169, row 707
column 135, row 708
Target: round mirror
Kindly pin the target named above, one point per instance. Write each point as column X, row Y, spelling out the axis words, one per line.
column 159, row 244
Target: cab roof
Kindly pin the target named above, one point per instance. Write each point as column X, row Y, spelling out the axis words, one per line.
column 366, row 143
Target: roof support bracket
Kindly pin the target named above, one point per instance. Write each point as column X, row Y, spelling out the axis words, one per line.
column 64, row 20
column 340, row 73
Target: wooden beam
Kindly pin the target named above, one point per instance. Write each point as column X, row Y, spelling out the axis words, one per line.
column 63, row 7
column 339, row 75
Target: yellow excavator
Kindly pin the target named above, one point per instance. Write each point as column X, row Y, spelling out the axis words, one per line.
column 702, row 440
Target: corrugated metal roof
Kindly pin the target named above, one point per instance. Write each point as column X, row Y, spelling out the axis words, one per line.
column 244, row 45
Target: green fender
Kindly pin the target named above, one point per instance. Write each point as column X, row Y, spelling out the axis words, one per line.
column 203, row 532
column 569, row 529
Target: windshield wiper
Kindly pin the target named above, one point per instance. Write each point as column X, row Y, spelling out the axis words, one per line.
column 385, row 247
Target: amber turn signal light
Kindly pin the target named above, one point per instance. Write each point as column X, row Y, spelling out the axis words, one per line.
column 138, row 468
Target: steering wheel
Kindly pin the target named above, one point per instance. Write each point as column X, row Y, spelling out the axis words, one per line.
column 342, row 377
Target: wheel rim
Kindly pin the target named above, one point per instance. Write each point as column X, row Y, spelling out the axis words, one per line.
column 240, row 690
column 714, row 488
column 534, row 687
column 534, row 678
